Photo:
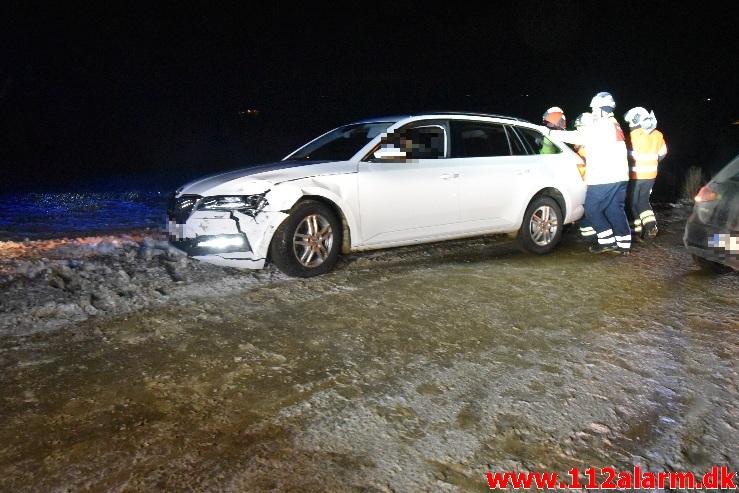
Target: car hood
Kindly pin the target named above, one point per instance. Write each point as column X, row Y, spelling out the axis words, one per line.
column 256, row 179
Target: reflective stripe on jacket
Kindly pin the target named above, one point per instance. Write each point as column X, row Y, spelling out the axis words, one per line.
column 645, row 152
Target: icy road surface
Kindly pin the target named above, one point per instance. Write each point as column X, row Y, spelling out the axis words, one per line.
column 125, row 369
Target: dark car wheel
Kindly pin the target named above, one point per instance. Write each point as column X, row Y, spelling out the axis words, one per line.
column 541, row 229
column 307, row 243
column 711, row 266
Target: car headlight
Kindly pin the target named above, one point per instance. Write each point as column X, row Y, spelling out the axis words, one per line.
column 179, row 209
column 248, row 204
column 222, row 242
column 213, row 244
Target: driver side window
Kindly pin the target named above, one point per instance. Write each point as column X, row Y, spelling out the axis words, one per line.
column 427, row 142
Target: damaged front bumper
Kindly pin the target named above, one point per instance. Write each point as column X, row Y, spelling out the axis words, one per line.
column 234, row 238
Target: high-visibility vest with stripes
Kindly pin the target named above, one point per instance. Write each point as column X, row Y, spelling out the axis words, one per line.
column 644, row 153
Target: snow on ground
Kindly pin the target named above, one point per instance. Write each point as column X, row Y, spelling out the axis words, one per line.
column 46, row 284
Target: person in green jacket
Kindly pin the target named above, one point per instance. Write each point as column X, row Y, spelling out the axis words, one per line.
column 553, row 118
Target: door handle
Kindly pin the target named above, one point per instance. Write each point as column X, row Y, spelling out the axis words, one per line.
column 449, row 176
column 522, row 171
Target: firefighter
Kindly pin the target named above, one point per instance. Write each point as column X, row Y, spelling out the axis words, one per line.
column 607, row 174
column 647, row 149
column 586, row 230
column 553, row 118
column 582, row 120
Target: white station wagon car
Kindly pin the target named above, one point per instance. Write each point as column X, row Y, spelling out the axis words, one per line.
column 380, row 183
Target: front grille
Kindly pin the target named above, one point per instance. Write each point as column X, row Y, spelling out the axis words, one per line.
column 179, row 209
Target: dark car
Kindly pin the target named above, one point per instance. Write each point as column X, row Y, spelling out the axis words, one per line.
column 712, row 231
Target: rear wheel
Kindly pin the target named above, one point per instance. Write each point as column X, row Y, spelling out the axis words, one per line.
column 307, row 243
column 710, row 265
column 541, row 229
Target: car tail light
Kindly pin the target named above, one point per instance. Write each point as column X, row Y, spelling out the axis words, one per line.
column 706, row 195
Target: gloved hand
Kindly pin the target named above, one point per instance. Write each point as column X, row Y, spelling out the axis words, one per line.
column 545, row 130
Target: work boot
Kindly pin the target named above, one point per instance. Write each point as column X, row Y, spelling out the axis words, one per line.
column 623, row 251
column 603, row 248
column 649, row 232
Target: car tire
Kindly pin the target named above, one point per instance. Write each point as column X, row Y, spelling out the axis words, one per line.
column 308, row 242
column 541, row 228
column 711, row 266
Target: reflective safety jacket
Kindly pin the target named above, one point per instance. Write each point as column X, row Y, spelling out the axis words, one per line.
column 580, row 150
column 548, row 147
column 607, row 156
column 647, row 149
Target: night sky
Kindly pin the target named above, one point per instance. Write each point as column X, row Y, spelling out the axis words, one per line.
column 113, row 91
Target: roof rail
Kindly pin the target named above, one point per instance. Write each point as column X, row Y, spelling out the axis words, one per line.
column 472, row 113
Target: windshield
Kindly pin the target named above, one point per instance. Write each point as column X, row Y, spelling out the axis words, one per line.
column 342, row 143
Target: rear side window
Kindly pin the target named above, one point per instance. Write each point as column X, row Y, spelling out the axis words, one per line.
column 479, row 139
column 517, row 143
column 537, row 142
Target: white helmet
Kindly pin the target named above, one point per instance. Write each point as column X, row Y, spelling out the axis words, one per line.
column 649, row 123
column 635, row 115
column 583, row 119
column 640, row 117
column 603, row 100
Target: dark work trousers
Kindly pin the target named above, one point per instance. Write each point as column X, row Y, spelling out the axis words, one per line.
column 604, row 208
column 640, row 210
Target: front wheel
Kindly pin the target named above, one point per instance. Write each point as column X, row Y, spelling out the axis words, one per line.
column 541, row 229
column 307, row 243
